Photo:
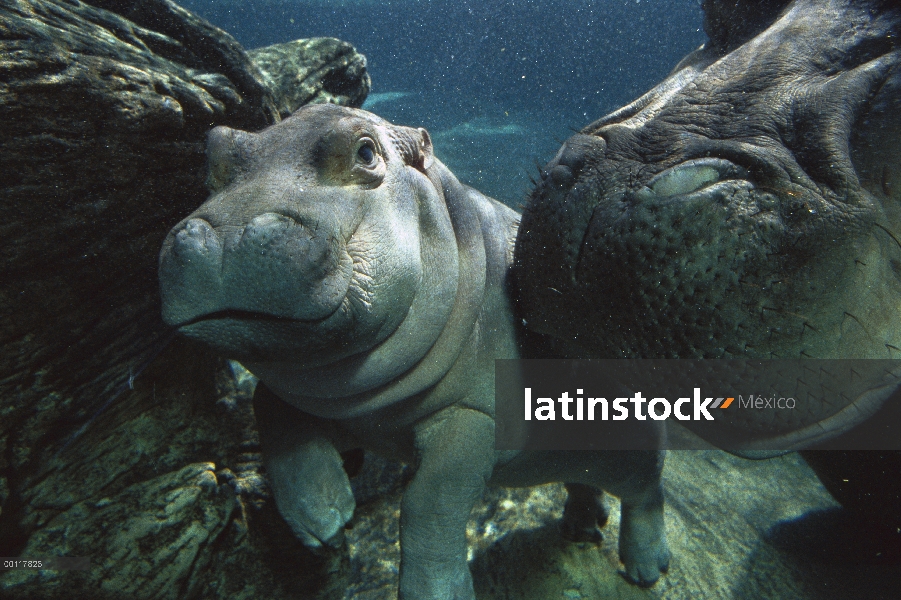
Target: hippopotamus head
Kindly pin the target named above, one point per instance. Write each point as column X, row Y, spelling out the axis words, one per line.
column 322, row 237
column 747, row 206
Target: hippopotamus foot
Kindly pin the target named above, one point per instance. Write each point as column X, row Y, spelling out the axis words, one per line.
column 633, row 477
column 584, row 513
column 309, row 483
column 642, row 542
column 452, row 582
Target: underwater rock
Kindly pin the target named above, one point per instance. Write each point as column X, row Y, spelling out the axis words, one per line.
column 154, row 539
column 177, row 416
column 105, row 115
column 202, row 46
column 102, row 148
column 312, row 71
column 737, row 528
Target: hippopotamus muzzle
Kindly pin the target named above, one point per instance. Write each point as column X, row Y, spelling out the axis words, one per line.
column 314, row 267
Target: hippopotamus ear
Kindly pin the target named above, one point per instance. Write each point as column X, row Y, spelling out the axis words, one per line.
column 415, row 146
column 226, row 151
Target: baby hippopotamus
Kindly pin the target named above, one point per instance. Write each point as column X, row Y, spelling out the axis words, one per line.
column 364, row 285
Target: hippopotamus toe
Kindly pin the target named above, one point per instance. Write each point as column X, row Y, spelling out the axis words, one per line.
column 646, row 573
column 645, row 554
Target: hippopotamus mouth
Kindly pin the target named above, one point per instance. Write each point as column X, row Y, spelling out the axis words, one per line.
column 247, row 316
column 219, row 296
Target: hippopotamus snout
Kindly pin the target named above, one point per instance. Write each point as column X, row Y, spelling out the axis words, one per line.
column 274, row 266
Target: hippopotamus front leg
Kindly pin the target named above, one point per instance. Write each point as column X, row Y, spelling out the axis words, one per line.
column 634, row 477
column 456, row 456
column 311, row 488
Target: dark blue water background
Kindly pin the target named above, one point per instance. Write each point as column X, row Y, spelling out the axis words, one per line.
column 498, row 83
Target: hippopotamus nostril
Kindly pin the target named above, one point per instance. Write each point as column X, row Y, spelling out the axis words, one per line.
column 572, row 156
column 562, row 176
column 281, row 267
column 189, row 267
column 196, row 237
column 264, row 228
column 285, row 239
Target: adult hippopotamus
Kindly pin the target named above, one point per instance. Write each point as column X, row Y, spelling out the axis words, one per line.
column 348, row 269
column 749, row 206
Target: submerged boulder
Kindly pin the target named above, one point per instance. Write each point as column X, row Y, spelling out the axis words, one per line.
column 737, row 529
column 165, row 494
column 105, row 108
column 312, row 71
column 102, row 118
column 179, row 516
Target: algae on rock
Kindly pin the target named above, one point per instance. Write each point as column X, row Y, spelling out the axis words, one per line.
column 154, row 539
column 313, row 70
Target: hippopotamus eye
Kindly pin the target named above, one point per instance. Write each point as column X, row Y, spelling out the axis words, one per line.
column 366, row 152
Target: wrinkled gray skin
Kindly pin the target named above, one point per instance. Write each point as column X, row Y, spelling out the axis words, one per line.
column 747, row 206
column 349, row 269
